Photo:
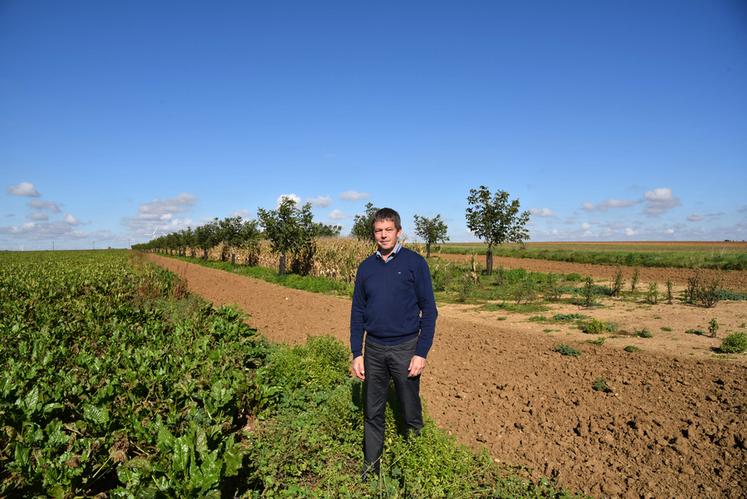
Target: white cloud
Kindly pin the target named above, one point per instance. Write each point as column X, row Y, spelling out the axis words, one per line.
column 695, row 217
column 38, row 204
column 354, row 195
column 38, row 216
column 293, row 197
column 321, row 201
column 336, row 215
column 585, row 226
column 660, row 200
column 158, row 215
column 669, row 231
column 24, row 189
column 542, row 212
column 611, row 203
column 243, row 213
column 69, row 219
column 629, row 231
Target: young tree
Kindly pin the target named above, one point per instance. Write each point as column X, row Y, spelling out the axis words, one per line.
column 324, row 230
column 495, row 219
column 363, row 224
column 289, row 229
column 432, row 230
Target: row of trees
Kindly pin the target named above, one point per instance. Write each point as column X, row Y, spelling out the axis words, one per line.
column 291, row 230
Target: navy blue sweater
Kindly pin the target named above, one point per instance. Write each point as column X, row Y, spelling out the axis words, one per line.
column 393, row 302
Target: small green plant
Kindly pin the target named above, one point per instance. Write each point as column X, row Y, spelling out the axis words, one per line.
column 666, row 329
column 587, row 292
column 669, row 291
column 600, row 385
column 597, row 341
column 596, row 326
column 466, row 284
column 652, row 296
column 631, row 348
column 634, row 280
column 644, row 333
column 553, row 291
column 618, row 282
column 563, row 349
column 712, row 327
column 734, row 343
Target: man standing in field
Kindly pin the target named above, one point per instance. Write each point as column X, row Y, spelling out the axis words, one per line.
column 393, row 303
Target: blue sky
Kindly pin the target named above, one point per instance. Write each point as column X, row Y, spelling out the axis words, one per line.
column 608, row 120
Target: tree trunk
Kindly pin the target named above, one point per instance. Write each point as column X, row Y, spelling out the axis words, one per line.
column 281, row 267
column 204, row 254
column 427, row 250
column 489, row 260
column 233, row 258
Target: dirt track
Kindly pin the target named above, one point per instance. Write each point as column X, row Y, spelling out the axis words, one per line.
column 672, row 427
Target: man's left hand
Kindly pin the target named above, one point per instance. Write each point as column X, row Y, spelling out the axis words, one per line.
column 417, row 365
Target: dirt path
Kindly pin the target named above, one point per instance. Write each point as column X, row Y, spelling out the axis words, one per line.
column 734, row 280
column 671, row 427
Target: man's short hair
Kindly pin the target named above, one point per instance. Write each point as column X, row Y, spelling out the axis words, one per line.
column 385, row 214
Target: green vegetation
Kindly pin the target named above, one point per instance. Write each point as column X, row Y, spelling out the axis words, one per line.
column 291, row 231
column 363, row 224
column 666, row 328
column 644, row 333
column 684, row 255
column 597, row 341
column 596, row 326
column 631, row 348
column 566, row 350
column 600, row 385
column 432, row 230
column 113, row 380
column 698, row 332
column 734, row 343
column 712, row 327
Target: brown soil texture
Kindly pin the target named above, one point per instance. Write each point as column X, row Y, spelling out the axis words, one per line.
column 734, row 280
column 672, row 426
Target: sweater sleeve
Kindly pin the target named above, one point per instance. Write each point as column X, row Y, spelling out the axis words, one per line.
column 428, row 310
column 357, row 316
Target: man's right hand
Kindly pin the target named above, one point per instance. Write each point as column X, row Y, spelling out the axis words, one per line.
column 358, row 368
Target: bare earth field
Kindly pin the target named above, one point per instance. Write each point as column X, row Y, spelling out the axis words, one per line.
column 673, row 425
column 733, row 280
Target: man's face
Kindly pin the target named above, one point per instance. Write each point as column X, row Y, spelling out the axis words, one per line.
column 386, row 235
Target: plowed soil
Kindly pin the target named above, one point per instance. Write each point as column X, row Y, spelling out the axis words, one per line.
column 673, row 424
column 734, row 280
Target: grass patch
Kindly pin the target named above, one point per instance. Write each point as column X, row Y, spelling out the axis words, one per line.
column 698, row 332
column 734, row 343
column 644, row 333
column 631, row 348
column 569, row 317
column 521, row 308
column 597, row 341
column 566, row 350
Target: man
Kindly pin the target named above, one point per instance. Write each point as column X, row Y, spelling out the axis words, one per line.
column 393, row 303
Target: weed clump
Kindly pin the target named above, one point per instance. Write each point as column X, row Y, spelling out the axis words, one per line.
column 566, row 350
column 644, row 333
column 652, row 296
column 631, row 348
column 596, row 326
column 712, row 327
column 698, row 332
column 734, row 343
column 634, row 280
column 600, row 385
column 618, row 282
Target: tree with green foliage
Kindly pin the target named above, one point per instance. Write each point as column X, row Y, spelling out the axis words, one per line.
column 363, row 224
column 432, row 230
column 495, row 219
column 324, row 230
column 290, row 230
column 206, row 236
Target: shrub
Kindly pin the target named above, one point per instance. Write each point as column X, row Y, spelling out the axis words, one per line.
column 566, row 350
column 553, row 291
column 698, row 332
column 652, row 296
column 600, row 385
column 669, row 291
column 588, row 292
column 734, row 343
column 597, row 341
column 596, row 326
column 631, row 348
column 713, row 327
column 618, row 282
column 644, row 333
column 568, row 317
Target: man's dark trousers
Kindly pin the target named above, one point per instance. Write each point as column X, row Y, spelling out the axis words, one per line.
column 382, row 362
